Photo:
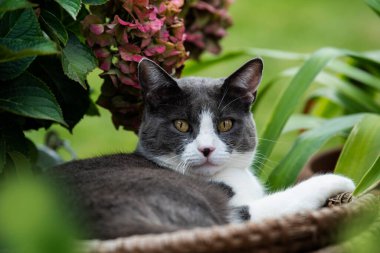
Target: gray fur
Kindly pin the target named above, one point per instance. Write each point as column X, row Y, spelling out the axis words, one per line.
column 125, row 194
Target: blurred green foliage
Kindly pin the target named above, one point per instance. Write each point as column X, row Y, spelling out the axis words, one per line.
column 32, row 218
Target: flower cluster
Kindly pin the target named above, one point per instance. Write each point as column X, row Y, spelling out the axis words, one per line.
column 138, row 28
column 122, row 32
column 206, row 22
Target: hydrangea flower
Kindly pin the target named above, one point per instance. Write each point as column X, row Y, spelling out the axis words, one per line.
column 122, row 32
column 206, row 23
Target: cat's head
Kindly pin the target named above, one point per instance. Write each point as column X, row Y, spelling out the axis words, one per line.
column 195, row 125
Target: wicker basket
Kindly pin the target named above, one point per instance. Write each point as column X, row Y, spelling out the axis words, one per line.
column 314, row 231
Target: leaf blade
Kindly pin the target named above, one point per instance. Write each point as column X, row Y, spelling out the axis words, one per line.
column 16, row 48
column 11, row 5
column 301, row 122
column 20, row 30
column 361, row 149
column 370, row 180
column 72, row 98
column 71, row 6
column 193, row 67
column 307, row 144
column 54, row 26
column 77, row 60
column 355, row 73
column 95, row 2
column 29, row 97
column 292, row 96
column 375, row 5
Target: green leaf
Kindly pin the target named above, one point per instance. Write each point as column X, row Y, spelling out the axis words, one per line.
column 193, row 67
column 355, row 73
column 53, row 26
column 72, row 25
column 28, row 96
column 95, row 2
column 71, row 6
column 20, row 24
column 370, row 180
column 77, row 60
column 375, row 5
column 361, row 149
column 362, row 98
column 21, row 38
column 72, row 98
column 12, row 49
column 335, row 97
column 285, row 174
column 10, row 70
column 288, row 101
column 11, row 5
column 325, row 108
column 302, row 122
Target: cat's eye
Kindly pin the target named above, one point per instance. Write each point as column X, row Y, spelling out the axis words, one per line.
column 225, row 125
column 182, row 125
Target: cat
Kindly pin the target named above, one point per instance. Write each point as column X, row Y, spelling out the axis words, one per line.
column 197, row 141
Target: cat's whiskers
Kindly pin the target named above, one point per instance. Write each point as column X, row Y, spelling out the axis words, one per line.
column 264, row 159
column 264, row 162
column 255, row 163
column 172, row 158
column 224, row 95
column 269, row 140
column 183, row 166
column 169, row 162
column 257, row 168
column 226, row 106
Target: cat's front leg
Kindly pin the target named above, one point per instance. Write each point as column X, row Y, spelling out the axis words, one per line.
column 308, row 195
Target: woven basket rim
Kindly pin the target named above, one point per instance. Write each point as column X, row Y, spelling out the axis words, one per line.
column 298, row 232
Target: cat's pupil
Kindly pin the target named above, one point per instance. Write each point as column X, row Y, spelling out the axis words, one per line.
column 182, row 126
column 225, row 125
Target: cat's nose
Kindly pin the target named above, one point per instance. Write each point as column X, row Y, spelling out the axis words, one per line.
column 206, row 151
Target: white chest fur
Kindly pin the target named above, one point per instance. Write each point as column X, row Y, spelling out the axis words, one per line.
column 245, row 185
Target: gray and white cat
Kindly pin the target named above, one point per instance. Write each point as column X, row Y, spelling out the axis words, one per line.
column 197, row 141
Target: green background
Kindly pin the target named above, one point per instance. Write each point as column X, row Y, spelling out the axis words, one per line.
column 294, row 25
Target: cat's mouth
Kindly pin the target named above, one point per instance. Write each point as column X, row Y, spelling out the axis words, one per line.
column 206, row 164
column 206, row 168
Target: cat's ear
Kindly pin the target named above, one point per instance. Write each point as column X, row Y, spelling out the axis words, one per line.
column 243, row 83
column 157, row 85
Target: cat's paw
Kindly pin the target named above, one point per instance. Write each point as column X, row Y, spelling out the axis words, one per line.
column 318, row 189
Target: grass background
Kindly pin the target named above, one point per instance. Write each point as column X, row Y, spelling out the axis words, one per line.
column 294, row 25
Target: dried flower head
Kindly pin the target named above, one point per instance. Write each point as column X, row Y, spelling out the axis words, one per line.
column 135, row 29
column 122, row 32
column 206, row 22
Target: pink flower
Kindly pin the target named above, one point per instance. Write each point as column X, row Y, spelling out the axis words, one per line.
column 122, row 32
column 137, row 29
column 206, row 23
